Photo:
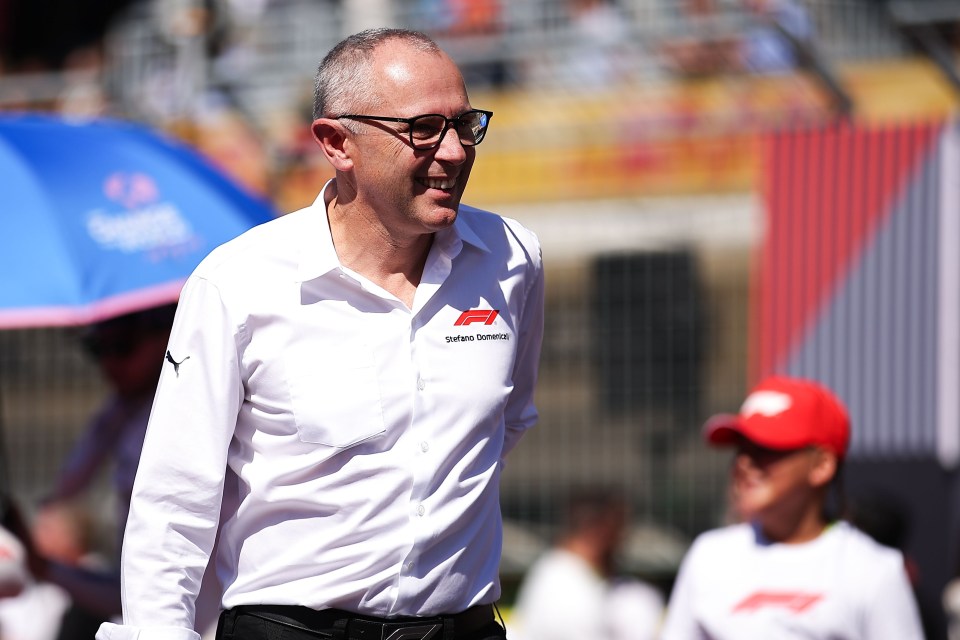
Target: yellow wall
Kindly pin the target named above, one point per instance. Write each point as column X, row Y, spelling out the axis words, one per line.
column 666, row 138
column 673, row 137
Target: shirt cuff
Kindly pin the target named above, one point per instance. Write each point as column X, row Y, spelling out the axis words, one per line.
column 110, row 631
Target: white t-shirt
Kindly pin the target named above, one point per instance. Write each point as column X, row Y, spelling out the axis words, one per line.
column 840, row 586
column 28, row 611
column 563, row 598
column 35, row 614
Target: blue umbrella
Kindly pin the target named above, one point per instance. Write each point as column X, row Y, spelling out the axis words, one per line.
column 105, row 217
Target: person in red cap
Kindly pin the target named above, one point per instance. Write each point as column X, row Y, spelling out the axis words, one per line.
column 791, row 568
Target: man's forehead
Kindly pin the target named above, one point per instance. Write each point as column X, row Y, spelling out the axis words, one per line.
column 398, row 71
column 413, row 77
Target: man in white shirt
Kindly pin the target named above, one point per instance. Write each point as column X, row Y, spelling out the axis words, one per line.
column 791, row 568
column 343, row 383
column 575, row 590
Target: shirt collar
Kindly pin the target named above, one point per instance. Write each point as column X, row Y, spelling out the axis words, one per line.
column 463, row 231
column 318, row 256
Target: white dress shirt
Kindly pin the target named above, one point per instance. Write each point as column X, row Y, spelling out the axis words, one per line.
column 362, row 440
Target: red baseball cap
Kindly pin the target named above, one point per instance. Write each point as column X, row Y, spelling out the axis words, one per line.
column 785, row 413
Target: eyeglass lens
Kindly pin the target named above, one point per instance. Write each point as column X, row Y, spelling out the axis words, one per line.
column 425, row 131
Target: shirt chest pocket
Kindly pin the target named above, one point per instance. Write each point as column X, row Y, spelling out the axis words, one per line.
column 335, row 395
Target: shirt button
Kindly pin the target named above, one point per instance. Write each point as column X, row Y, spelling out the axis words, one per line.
column 424, row 446
column 421, row 510
column 421, row 384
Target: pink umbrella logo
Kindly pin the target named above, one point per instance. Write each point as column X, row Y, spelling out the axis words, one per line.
column 132, row 190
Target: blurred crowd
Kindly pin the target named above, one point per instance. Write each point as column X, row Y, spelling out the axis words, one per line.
column 65, row 585
column 56, row 584
column 51, row 570
column 195, row 62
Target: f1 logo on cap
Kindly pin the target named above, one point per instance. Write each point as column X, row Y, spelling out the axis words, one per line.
column 766, row 403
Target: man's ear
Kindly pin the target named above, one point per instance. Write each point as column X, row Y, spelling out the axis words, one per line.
column 824, row 468
column 331, row 136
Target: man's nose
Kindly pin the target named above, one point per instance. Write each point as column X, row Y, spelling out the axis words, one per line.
column 743, row 461
column 450, row 147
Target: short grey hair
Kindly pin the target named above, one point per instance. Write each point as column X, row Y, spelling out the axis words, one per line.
column 344, row 78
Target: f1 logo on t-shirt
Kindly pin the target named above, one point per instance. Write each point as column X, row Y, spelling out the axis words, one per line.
column 796, row 602
column 486, row 316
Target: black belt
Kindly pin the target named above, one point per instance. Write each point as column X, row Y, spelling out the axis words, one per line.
column 335, row 623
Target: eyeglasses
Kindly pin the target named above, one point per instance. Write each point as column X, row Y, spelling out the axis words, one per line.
column 427, row 131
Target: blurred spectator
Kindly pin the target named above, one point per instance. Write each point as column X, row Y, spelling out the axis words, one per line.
column 83, row 96
column 14, row 541
column 791, row 568
column 35, row 613
column 460, row 17
column 476, row 27
column 29, row 610
column 703, row 49
column 130, row 352
column 229, row 139
column 597, row 54
column 574, row 591
column 770, row 42
column 775, row 38
column 62, row 532
column 65, row 531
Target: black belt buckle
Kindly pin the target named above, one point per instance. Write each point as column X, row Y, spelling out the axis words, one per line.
column 426, row 629
column 411, row 631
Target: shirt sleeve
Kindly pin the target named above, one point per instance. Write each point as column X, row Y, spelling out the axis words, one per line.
column 111, row 631
column 521, row 413
column 177, row 493
column 891, row 607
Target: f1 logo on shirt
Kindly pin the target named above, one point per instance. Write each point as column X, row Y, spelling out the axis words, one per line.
column 793, row 601
column 486, row 316
column 483, row 317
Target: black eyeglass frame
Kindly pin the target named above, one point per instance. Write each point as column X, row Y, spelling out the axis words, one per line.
column 443, row 132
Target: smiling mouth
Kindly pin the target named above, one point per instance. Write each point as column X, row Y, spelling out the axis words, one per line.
column 438, row 183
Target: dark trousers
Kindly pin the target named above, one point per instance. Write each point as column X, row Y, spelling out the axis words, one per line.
column 78, row 624
column 299, row 623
